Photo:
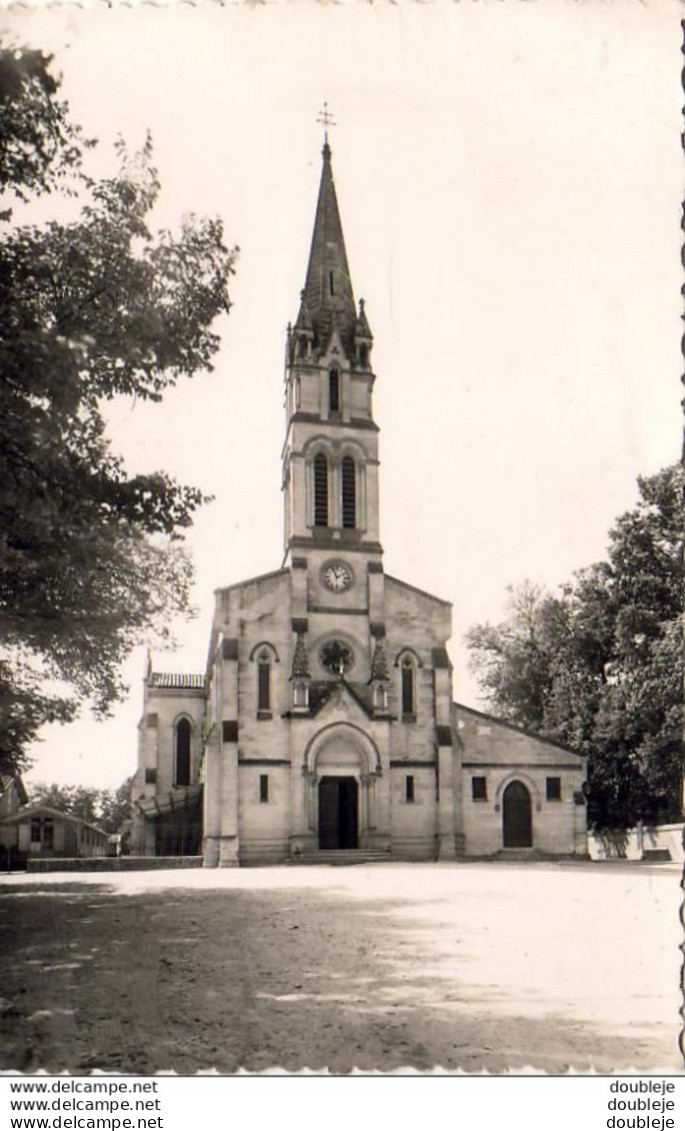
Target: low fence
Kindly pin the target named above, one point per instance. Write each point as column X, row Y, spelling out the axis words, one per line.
column 638, row 843
column 11, row 860
column 113, row 864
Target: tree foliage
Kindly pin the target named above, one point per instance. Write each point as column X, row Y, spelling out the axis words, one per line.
column 90, row 309
column 115, row 807
column 39, row 144
column 600, row 666
column 107, row 808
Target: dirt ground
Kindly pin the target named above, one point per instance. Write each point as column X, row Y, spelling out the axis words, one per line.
column 467, row 966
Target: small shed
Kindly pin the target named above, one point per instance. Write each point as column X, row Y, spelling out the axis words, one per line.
column 41, row 831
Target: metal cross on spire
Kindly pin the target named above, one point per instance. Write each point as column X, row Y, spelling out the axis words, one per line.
column 326, row 119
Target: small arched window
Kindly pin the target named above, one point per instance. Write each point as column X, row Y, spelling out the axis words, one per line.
column 264, row 682
column 334, row 390
column 182, row 753
column 408, row 687
column 349, row 493
column 320, row 490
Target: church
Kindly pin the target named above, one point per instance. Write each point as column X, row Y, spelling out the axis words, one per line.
column 323, row 726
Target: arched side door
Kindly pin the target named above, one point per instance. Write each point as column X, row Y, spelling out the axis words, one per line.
column 517, row 816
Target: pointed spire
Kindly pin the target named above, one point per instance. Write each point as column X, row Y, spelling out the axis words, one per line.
column 379, row 664
column 300, row 669
column 300, row 676
column 328, row 287
column 380, row 678
column 362, row 329
column 304, row 321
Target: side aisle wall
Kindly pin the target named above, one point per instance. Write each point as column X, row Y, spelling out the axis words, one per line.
column 494, row 754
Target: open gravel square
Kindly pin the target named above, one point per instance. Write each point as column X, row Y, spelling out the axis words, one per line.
column 469, row 966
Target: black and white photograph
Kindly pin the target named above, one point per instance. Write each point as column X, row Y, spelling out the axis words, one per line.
column 341, row 516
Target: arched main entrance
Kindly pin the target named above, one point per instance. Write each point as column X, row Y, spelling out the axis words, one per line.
column 342, row 765
column 338, row 812
column 517, row 816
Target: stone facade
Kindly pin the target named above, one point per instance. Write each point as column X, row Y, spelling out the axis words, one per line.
column 499, row 754
column 325, row 716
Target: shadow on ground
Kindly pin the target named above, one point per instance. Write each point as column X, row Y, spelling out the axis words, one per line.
column 189, row 980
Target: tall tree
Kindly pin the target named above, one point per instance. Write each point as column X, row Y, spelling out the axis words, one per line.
column 514, row 660
column 39, row 143
column 90, row 309
column 80, row 800
column 115, row 807
column 601, row 665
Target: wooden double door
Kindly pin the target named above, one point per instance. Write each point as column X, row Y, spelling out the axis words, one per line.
column 338, row 812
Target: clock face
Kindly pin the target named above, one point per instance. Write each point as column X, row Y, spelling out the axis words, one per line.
column 337, row 577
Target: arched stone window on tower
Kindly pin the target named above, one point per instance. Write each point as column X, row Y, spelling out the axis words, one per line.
column 264, row 683
column 320, row 490
column 408, row 689
column 349, row 493
column 182, row 736
column 264, row 656
column 334, row 390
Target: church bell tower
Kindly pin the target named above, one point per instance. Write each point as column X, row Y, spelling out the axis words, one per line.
column 330, row 455
column 324, row 720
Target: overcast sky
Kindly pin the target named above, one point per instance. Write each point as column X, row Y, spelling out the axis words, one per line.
column 509, row 180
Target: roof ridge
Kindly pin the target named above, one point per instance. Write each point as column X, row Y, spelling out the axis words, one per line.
column 176, row 679
column 39, row 807
column 498, row 720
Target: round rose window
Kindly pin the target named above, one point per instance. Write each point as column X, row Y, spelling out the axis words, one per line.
column 336, row 657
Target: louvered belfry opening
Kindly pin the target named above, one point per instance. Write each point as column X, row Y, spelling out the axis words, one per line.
column 320, row 490
column 349, row 493
column 334, row 391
